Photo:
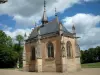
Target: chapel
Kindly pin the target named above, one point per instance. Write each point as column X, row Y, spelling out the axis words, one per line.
column 51, row 47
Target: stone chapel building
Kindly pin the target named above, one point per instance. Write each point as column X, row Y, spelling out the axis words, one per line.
column 51, row 47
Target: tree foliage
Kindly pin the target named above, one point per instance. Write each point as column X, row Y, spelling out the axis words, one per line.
column 91, row 55
column 8, row 56
column 10, row 53
column 19, row 48
column 20, row 39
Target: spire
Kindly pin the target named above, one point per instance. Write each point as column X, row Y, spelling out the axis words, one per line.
column 44, row 5
column 56, row 16
column 44, row 18
column 73, row 27
column 55, row 12
column 25, row 35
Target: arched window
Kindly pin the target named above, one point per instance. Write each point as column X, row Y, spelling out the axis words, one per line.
column 69, row 49
column 33, row 53
column 50, row 50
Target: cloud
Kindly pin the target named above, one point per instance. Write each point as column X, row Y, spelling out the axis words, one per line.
column 91, row 0
column 25, row 12
column 86, row 28
column 18, row 32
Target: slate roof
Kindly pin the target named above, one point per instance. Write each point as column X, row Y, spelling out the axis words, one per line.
column 50, row 28
column 66, row 32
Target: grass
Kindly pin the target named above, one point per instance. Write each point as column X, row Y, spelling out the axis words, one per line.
column 91, row 65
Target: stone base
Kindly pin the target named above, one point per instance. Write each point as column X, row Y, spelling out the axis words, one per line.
column 39, row 65
column 24, row 66
column 64, row 64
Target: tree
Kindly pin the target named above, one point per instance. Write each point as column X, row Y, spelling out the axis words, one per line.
column 91, row 55
column 3, row 38
column 98, row 52
column 20, row 40
column 9, row 42
column 8, row 56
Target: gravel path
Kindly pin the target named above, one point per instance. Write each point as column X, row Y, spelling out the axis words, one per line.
column 86, row 71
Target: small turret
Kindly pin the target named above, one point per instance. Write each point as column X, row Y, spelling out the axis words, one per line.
column 73, row 29
column 25, row 36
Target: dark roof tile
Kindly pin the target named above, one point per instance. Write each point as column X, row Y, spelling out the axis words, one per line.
column 50, row 27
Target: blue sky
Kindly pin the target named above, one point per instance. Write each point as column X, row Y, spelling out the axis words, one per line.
column 19, row 17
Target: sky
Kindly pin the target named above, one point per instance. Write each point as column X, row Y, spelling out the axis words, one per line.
column 19, row 17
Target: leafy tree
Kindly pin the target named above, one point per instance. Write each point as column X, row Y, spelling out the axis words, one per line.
column 91, row 55
column 20, row 40
column 98, row 52
column 3, row 38
column 9, row 42
column 8, row 56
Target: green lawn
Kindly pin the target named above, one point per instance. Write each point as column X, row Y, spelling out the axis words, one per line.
column 91, row 65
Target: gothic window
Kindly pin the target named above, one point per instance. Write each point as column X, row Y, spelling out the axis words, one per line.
column 33, row 54
column 50, row 50
column 69, row 49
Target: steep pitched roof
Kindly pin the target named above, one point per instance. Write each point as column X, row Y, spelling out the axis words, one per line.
column 49, row 28
column 66, row 32
column 33, row 34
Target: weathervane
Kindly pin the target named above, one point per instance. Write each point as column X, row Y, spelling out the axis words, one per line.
column 3, row 1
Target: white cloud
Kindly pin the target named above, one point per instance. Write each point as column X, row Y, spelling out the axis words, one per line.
column 25, row 12
column 86, row 28
column 18, row 32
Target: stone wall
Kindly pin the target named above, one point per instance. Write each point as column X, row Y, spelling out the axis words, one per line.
column 59, row 63
column 72, row 63
column 50, row 64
